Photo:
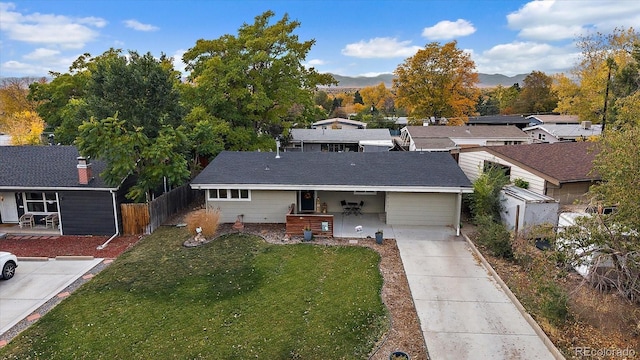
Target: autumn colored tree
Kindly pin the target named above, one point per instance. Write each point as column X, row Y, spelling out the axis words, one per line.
column 380, row 97
column 602, row 60
column 437, row 81
column 537, row 95
column 254, row 79
column 25, row 128
column 13, row 95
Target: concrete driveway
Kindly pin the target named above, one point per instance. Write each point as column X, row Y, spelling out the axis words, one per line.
column 34, row 283
column 464, row 313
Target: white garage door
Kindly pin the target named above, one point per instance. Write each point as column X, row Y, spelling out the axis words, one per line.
column 421, row 209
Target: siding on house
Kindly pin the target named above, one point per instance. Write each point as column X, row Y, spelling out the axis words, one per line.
column 421, row 209
column 569, row 193
column 472, row 164
column 268, row 206
column 87, row 213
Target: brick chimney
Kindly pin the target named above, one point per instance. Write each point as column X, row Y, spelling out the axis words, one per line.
column 84, row 171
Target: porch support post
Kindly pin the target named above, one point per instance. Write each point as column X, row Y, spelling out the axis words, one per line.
column 458, row 211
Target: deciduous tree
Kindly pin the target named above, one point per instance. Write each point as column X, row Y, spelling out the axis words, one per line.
column 537, row 95
column 437, row 81
column 24, row 127
column 602, row 55
column 130, row 152
column 254, row 79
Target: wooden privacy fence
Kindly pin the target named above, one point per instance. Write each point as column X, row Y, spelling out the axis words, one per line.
column 145, row 218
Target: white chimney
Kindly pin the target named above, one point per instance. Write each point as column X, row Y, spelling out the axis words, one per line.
column 84, row 171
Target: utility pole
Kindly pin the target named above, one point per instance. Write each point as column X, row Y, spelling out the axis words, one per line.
column 610, row 63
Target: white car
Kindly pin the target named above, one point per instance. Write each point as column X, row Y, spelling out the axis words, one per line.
column 8, row 265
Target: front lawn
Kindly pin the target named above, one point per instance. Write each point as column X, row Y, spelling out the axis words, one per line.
column 234, row 298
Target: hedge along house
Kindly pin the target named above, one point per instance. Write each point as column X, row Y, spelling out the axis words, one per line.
column 44, row 180
column 405, row 188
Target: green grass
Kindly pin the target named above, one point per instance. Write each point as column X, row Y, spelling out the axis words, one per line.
column 234, row 298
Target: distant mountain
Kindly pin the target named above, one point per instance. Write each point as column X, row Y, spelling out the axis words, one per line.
column 491, row 80
column 486, row 80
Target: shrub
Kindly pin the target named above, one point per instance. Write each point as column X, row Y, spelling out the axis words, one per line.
column 553, row 302
column 485, row 199
column 494, row 236
column 521, row 183
column 207, row 220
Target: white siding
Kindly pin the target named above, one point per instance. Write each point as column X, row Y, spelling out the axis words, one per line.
column 421, row 209
column 472, row 163
column 264, row 207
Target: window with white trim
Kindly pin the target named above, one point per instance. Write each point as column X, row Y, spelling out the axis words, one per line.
column 41, row 202
column 230, row 194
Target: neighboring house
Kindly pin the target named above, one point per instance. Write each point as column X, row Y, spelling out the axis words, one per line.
column 43, row 180
column 342, row 140
column 561, row 170
column 517, row 120
column 454, row 138
column 339, row 123
column 553, row 119
column 551, row 133
column 405, row 188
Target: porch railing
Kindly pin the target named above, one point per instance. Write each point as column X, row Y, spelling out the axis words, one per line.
column 320, row 224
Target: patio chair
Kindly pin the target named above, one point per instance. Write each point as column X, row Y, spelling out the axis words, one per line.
column 346, row 209
column 357, row 209
column 51, row 219
column 26, row 219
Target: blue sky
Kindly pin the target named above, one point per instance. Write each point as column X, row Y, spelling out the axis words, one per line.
column 353, row 37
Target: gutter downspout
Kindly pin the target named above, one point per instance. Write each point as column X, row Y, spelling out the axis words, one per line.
column 115, row 218
column 458, row 211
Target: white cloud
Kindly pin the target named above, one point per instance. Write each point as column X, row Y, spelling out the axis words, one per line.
column 557, row 20
column 178, row 65
column 315, row 62
column 136, row 25
column 446, row 29
column 380, row 48
column 524, row 57
column 24, row 69
column 41, row 54
column 63, row 31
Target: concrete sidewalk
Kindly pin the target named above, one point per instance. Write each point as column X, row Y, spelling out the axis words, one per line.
column 464, row 313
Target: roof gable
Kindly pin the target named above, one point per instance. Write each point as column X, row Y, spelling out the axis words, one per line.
column 45, row 167
column 361, row 169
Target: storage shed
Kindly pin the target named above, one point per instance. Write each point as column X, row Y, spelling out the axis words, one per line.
column 525, row 208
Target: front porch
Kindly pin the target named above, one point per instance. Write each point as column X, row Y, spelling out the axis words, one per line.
column 339, row 225
column 36, row 230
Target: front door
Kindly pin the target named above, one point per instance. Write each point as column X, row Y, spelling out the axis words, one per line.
column 307, row 201
column 8, row 208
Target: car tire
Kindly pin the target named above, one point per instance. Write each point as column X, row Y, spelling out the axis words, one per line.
column 8, row 270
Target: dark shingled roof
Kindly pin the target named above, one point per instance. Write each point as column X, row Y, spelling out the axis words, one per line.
column 334, row 169
column 562, row 161
column 41, row 167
